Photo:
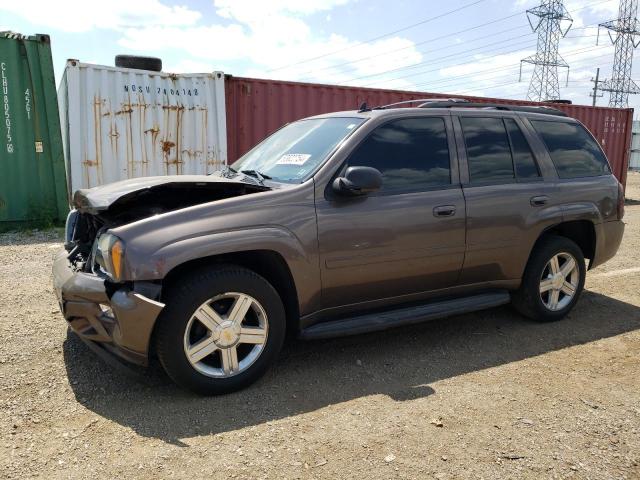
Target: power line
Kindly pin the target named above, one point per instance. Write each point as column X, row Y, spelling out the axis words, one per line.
column 431, row 19
column 447, row 86
column 419, row 43
column 422, row 72
column 351, row 62
column 431, row 61
column 569, row 53
column 427, row 62
column 490, row 77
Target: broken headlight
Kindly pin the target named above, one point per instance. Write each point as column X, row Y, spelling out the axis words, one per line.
column 110, row 255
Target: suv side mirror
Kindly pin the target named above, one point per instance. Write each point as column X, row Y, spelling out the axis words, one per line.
column 358, row 181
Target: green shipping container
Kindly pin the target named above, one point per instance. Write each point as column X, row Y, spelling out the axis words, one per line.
column 33, row 185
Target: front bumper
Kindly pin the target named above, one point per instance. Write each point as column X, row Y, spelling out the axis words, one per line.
column 120, row 324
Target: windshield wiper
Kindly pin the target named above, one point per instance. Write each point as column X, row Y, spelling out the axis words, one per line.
column 255, row 173
column 227, row 172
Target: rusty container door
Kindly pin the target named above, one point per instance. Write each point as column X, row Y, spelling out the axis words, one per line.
column 32, row 174
column 257, row 107
column 123, row 123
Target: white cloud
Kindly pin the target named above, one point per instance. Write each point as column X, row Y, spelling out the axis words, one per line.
column 270, row 35
column 264, row 35
column 86, row 15
column 190, row 66
column 260, row 11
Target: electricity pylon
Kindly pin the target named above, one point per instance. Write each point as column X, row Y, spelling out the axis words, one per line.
column 623, row 33
column 553, row 22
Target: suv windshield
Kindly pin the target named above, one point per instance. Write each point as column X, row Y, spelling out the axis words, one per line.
column 294, row 151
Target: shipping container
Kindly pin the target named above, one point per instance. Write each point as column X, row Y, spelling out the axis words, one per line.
column 120, row 123
column 634, row 162
column 256, row 108
column 32, row 173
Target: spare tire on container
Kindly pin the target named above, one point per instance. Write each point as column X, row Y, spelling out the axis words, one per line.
column 140, row 63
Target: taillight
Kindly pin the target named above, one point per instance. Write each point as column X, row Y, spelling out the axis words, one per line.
column 620, row 201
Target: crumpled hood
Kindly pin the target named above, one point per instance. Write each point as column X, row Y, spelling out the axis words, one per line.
column 98, row 199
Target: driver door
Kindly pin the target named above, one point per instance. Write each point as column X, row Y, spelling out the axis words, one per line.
column 408, row 238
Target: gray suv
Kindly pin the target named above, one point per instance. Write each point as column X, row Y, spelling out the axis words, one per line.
column 340, row 224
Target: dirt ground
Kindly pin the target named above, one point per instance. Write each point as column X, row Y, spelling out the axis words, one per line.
column 486, row 395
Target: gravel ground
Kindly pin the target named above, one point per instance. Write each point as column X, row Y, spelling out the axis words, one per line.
column 486, row 395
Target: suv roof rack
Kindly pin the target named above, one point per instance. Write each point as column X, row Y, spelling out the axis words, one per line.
column 424, row 102
column 497, row 106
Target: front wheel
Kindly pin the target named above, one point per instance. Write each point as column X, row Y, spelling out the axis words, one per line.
column 221, row 330
column 553, row 280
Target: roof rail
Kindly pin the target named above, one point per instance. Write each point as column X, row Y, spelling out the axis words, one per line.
column 424, row 102
column 497, row 106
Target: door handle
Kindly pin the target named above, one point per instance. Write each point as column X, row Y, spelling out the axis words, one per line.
column 539, row 201
column 444, row 211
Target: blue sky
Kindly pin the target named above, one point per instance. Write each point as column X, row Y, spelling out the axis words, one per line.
column 474, row 51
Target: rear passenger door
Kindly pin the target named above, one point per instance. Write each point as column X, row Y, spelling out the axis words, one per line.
column 507, row 198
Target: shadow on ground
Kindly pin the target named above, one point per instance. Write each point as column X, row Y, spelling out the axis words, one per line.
column 400, row 363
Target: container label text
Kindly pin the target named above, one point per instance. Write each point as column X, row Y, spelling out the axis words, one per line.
column 5, row 107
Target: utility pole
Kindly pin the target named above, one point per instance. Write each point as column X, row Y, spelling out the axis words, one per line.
column 596, row 83
column 553, row 22
column 624, row 28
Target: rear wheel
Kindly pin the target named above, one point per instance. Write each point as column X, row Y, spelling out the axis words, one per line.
column 221, row 330
column 553, row 280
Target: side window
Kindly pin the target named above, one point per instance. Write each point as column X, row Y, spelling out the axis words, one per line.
column 525, row 163
column 573, row 151
column 488, row 151
column 411, row 153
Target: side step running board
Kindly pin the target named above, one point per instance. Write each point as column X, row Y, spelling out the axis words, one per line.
column 372, row 322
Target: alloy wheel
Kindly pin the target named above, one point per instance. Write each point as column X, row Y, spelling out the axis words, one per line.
column 559, row 281
column 226, row 335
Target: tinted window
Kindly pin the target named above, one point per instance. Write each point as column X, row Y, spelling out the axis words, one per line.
column 488, row 152
column 573, row 151
column 525, row 164
column 411, row 153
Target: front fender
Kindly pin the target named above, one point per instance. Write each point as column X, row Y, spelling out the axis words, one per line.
column 302, row 265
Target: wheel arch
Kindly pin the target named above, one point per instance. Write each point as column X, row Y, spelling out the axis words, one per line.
column 581, row 232
column 267, row 263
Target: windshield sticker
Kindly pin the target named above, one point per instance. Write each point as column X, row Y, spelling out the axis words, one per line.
column 351, row 126
column 293, row 159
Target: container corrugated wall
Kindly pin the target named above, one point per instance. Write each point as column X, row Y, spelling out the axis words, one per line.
column 634, row 162
column 255, row 108
column 124, row 123
column 32, row 173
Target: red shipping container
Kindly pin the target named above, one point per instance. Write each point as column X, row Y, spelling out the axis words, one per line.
column 256, row 108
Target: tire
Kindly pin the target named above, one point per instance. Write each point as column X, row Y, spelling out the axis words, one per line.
column 199, row 311
column 530, row 300
column 152, row 64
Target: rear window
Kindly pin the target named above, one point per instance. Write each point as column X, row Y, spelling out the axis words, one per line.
column 488, row 150
column 573, row 150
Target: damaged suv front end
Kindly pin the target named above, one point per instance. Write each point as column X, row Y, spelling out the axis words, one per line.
column 95, row 289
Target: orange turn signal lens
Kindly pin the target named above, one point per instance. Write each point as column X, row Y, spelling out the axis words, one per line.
column 117, row 257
